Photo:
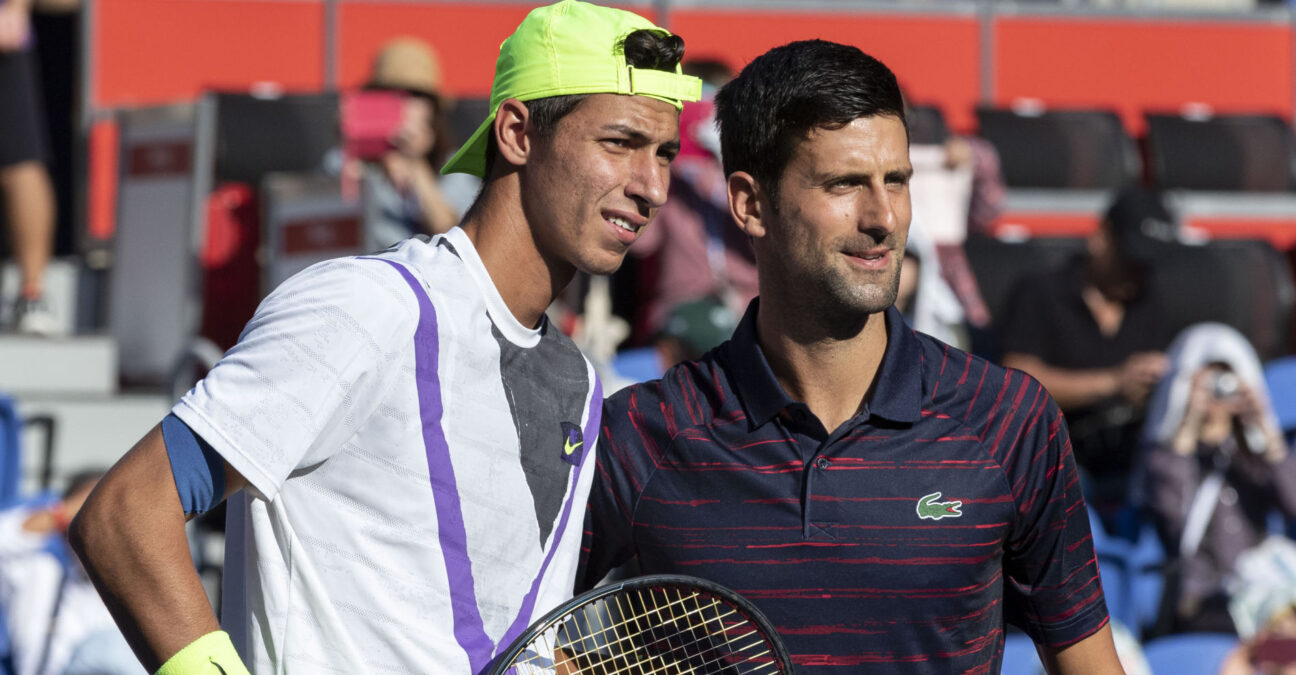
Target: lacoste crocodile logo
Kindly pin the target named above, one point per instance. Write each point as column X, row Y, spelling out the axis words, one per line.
column 928, row 507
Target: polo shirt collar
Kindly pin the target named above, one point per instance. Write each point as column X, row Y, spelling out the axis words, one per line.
column 897, row 397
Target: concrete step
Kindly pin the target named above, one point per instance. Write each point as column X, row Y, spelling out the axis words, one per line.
column 63, row 291
column 82, row 365
column 89, row 432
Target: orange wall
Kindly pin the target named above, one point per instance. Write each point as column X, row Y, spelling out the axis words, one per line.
column 153, row 51
column 466, row 36
column 162, row 51
column 1137, row 65
column 935, row 57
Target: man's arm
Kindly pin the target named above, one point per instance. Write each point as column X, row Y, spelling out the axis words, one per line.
column 130, row 537
column 1094, row 655
column 1073, row 388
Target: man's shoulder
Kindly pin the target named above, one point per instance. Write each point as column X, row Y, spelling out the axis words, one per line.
column 689, row 393
column 967, row 386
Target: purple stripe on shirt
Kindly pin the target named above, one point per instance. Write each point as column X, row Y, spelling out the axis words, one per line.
column 469, row 630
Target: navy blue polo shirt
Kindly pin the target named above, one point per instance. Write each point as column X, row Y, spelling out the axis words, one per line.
column 900, row 542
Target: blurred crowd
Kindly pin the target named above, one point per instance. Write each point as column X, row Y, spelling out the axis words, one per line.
column 1175, row 428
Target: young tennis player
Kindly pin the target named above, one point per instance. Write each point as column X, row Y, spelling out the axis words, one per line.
column 406, row 443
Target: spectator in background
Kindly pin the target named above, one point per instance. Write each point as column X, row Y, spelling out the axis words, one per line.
column 402, row 188
column 692, row 329
column 49, row 606
column 1093, row 333
column 1263, row 606
column 693, row 249
column 25, row 187
column 925, row 298
column 1216, row 466
column 958, row 187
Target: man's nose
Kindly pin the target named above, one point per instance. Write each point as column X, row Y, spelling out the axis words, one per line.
column 649, row 181
column 877, row 213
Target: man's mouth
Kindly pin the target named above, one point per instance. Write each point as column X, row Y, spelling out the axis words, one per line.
column 871, row 258
column 622, row 223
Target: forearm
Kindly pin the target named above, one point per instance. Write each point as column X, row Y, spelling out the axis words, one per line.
column 130, row 536
column 1071, row 389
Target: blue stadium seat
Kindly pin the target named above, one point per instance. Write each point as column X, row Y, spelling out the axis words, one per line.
column 1115, row 570
column 1280, row 376
column 1147, row 563
column 1189, row 653
column 10, row 452
column 1020, row 657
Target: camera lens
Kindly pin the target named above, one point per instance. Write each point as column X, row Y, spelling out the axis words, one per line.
column 1224, row 385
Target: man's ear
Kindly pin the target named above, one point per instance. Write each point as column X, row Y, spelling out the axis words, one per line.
column 747, row 203
column 510, row 129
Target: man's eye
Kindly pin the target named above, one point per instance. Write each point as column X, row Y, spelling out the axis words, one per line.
column 618, row 142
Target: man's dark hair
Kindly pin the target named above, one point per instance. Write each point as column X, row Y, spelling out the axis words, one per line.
column 643, row 48
column 779, row 98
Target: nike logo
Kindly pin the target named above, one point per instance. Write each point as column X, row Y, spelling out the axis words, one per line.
column 931, row 509
column 573, row 439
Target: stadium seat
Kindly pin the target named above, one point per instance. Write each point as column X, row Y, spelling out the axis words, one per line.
column 1019, row 656
column 1189, row 653
column 10, row 452
column 926, row 125
column 256, row 135
column 1243, row 283
column 1280, row 376
column 1114, row 569
column 1238, row 153
column 1147, row 567
column 1061, row 149
column 998, row 265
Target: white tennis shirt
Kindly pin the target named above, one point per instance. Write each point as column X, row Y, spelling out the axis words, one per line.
column 418, row 463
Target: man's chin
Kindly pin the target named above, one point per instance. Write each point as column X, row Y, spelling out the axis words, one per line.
column 604, row 265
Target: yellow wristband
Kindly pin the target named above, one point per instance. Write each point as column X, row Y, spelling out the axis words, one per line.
column 211, row 654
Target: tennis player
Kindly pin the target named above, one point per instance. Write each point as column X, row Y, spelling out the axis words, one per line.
column 888, row 501
column 405, row 442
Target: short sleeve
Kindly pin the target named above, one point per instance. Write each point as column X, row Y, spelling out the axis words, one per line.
column 308, row 370
column 1051, row 584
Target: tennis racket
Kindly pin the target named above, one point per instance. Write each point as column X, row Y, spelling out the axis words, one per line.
column 660, row 624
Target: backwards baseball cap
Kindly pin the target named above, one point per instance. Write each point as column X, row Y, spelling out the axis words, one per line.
column 570, row 48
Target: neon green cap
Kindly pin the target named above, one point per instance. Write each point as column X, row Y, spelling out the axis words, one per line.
column 568, row 48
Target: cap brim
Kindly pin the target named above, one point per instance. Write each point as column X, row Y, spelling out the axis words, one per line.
column 471, row 156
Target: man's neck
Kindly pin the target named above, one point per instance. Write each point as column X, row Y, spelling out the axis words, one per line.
column 831, row 372
column 499, row 231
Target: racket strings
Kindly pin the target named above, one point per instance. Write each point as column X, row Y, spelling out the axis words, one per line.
column 649, row 635
column 704, row 667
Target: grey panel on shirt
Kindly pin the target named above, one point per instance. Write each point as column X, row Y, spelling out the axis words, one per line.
column 546, row 385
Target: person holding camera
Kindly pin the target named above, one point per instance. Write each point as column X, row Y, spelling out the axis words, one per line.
column 402, row 187
column 1216, row 465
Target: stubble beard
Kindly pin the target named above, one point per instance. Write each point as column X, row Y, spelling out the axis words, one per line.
column 832, row 305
